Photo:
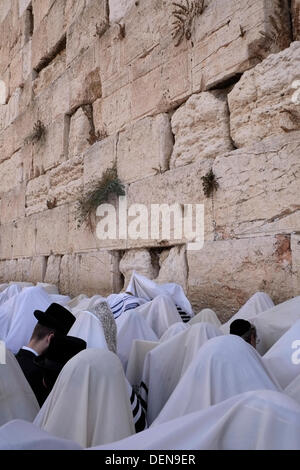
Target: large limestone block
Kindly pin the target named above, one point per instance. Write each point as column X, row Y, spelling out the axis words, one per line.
column 40, row 9
column 66, row 181
column 52, row 231
column 53, row 270
column 224, row 274
column 92, row 21
column 266, row 100
column 37, row 194
column 53, row 149
column 173, row 266
column 48, row 35
column 201, row 128
column 259, row 188
column 84, row 80
column 295, row 6
column 98, row 158
column 6, row 241
column 24, row 237
column 80, row 128
column 86, row 273
column 175, row 187
column 50, row 73
column 38, row 269
column 11, row 172
column 113, row 112
column 12, row 204
column 140, row 261
column 144, row 148
column 231, row 37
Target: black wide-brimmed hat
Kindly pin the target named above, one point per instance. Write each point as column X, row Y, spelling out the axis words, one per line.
column 56, row 317
column 59, row 352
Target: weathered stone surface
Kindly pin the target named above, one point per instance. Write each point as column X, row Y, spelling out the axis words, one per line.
column 50, row 73
column 4, row 9
column 24, row 237
column 11, row 172
column 6, row 241
column 224, row 274
column 52, row 231
column 12, row 204
column 84, row 80
column 201, row 128
column 92, row 22
column 140, row 261
column 233, row 37
column 113, row 112
column 179, row 186
column 80, row 128
column 266, row 100
column 88, row 273
column 99, row 158
column 37, row 194
column 173, row 266
column 38, row 269
column 53, row 270
column 144, row 148
column 295, row 8
column 40, row 10
column 23, row 4
column 66, row 181
column 258, row 188
column 52, row 150
column 119, row 8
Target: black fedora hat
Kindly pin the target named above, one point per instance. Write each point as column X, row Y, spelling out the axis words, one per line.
column 56, row 317
column 59, row 352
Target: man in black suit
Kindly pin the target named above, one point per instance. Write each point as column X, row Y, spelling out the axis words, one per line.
column 56, row 320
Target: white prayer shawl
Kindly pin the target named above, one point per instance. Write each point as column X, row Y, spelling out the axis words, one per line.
column 89, row 403
column 293, row 389
column 135, row 365
column 17, row 400
column 283, row 360
column 89, row 328
column 260, row 420
column 142, row 287
column 258, row 303
column 276, row 321
column 49, row 288
column 76, row 301
column 123, row 302
column 160, row 313
column 130, row 326
column 206, row 315
column 59, row 299
column 225, row 366
column 9, row 292
column 165, row 365
column 173, row 330
column 3, row 286
column 22, row 435
column 23, row 321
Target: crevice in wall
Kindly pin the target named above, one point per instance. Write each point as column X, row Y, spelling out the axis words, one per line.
column 29, row 23
column 55, row 51
column 229, row 82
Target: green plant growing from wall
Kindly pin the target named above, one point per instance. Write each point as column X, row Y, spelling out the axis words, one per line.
column 209, row 183
column 38, row 133
column 184, row 15
column 102, row 190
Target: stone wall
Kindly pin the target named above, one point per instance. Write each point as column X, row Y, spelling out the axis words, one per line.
column 86, row 83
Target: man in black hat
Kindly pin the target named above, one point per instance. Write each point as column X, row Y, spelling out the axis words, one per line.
column 59, row 352
column 56, row 320
column 245, row 330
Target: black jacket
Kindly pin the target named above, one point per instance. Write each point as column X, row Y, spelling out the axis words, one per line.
column 33, row 374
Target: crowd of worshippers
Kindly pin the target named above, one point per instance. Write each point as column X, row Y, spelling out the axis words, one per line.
column 131, row 363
